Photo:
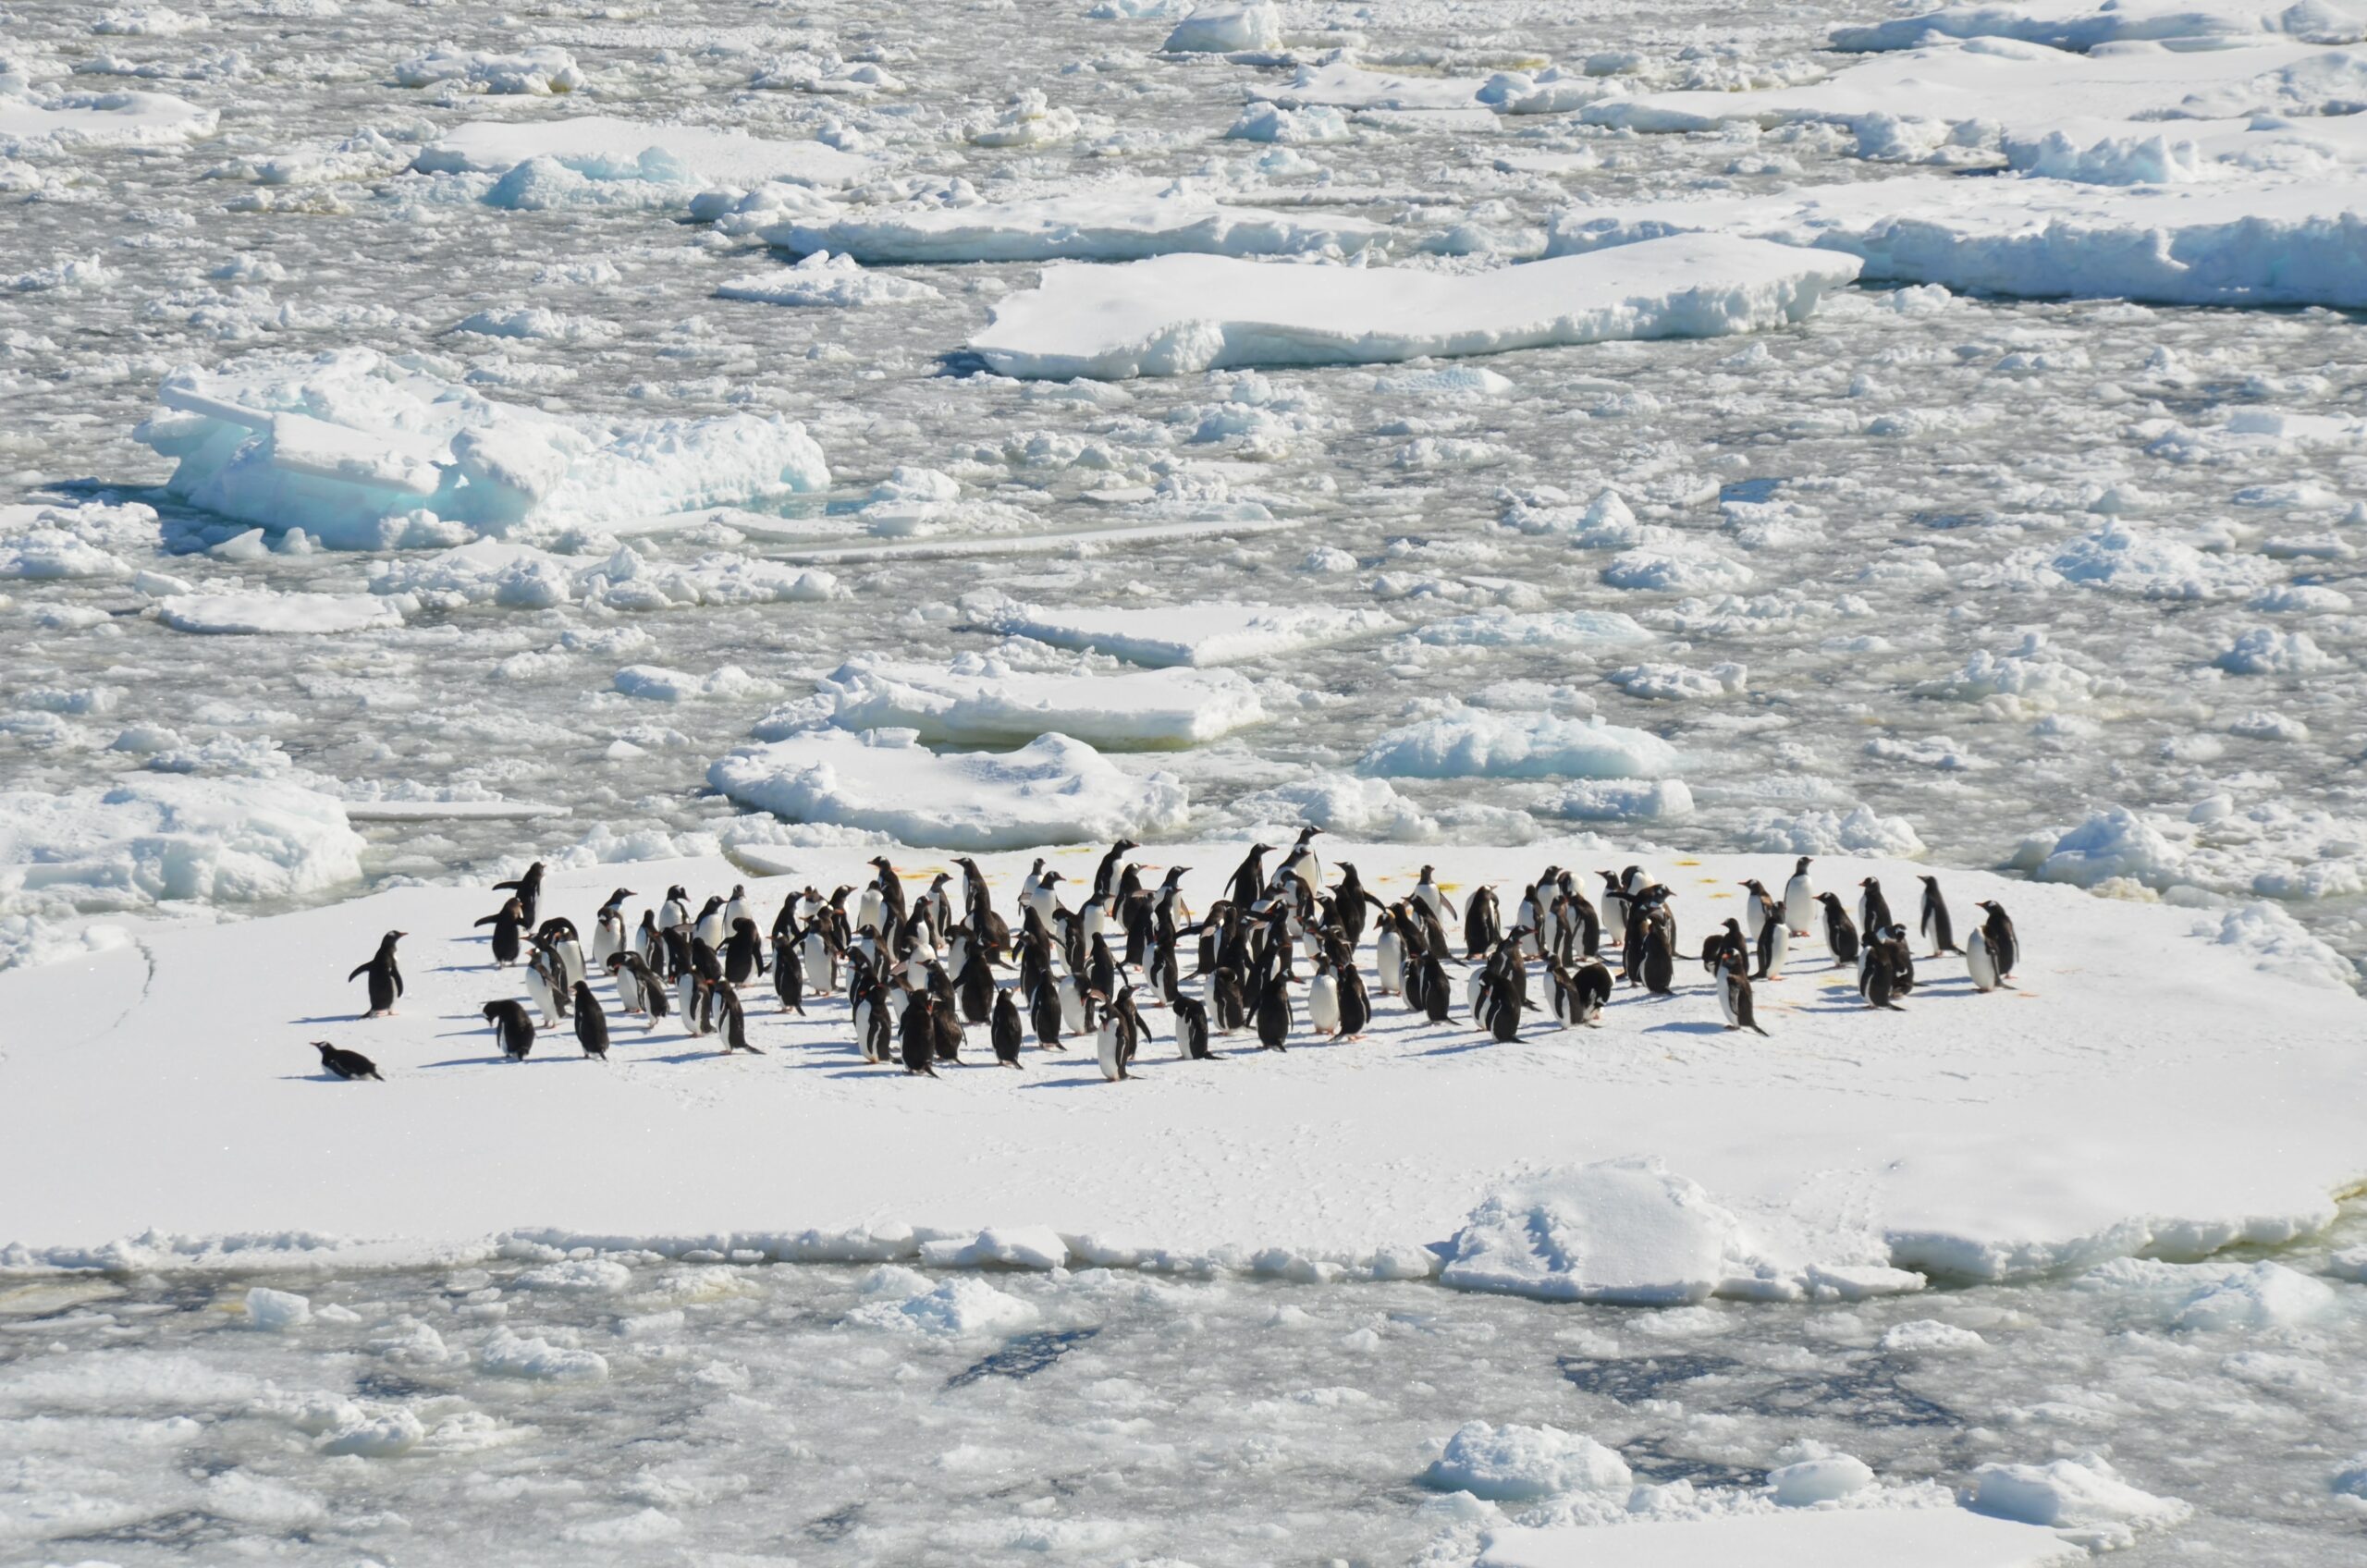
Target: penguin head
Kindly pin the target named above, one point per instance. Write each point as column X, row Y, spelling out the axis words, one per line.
column 390, row 938
column 323, row 1047
column 1802, row 869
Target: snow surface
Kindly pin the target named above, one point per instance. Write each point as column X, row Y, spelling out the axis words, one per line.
column 1928, row 1537
column 1199, row 634
column 1179, row 315
column 2136, row 1090
column 362, row 453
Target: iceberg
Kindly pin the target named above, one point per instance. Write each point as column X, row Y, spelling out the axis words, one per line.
column 1052, row 791
column 363, row 453
column 1178, row 315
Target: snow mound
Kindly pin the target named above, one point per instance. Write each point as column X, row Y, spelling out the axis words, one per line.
column 2113, row 843
column 44, row 542
column 265, row 612
column 1053, row 790
column 2280, row 945
column 1474, row 742
column 2248, row 1298
column 2297, row 242
column 2129, row 560
column 1812, row 1481
column 1225, row 28
column 2084, row 24
column 1513, row 1464
column 1928, row 1336
column 824, row 280
column 959, row 1308
column 980, row 701
column 602, row 148
column 159, row 837
column 364, row 454
column 1861, row 831
column 2070, row 1493
column 1623, row 1230
column 1661, row 800
column 1177, row 314
column 1196, row 634
column 508, row 1354
column 30, row 126
column 1121, row 222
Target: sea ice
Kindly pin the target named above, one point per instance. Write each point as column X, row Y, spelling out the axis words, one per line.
column 30, row 125
column 1514, row 1463
column 981, row 701
column 1125, row 220
column 603, row 147
column 538, row 71
column 1222, row 28
column 1477, row 743
column 2084, row 24
column 265, row 612
column 1196, row 634
column 823, row 280
column 1178, row 315
column 1872, row 1538
column 1053, row 790
column 2070, row 1492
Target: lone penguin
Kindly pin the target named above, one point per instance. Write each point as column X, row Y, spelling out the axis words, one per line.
column 348, row 1065
column 386, row 975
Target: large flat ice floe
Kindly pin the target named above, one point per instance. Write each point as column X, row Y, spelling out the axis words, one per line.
column 2146, row 1088
column 1052, row 791
column 1178, row 315
column 2084, row 24
column 363, row 453
column 98, row 119
column 1804, row 1538
column 1198, row 634
column 979, row 701
column 2299, row 243
column 602, row 147
column 1125, row 222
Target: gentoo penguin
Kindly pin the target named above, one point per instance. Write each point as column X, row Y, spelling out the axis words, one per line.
column 1438, row 1004
column 1758, row 908
column 1840, row 937
column 638, row 988
column 647, row 942
column 690, row 996
column 1936, row 924
column 1274, row 1014
column 505, row 921
column 1902, row 961
column 558, row 934
column 817, row 955
column 1324, row 997
column 1614, row 903
column 1352, row 899
column 1799, row 900
column 1723, row 944
column 1774, row 946
column 1580, row 993
column 1249, row 883
column 1191, row 1029
column 1428, row 893
column 1389, row 962
column 1877, row 974
column 1977, row 961
column 891, row 893
column 386, row 975
column 1121, row 1035
column 529, row 890
column 1504, row 1002
column 1873, row 910
column 675, row 909
column 1301, row 861
column 1044, row 1012
column 2004, row 946
column 348, row 1065
column 1733, row 997
column 1005, row 1030
column 731, row 1023
column 608, row 928
column 1231, row 1002
column 590, row 1024
column 709, row 926
column 1660, row 962
column 1483, row 925
column 744, row 952
column 515, row 1029
column 919, row 1035
column 1104, row 875
column 736, row 907
column 789, row 976
column 1356, row 1006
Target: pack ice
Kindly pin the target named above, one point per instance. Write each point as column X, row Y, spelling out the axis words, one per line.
column 1177, row 314
column 983, row 700
column 605, row 147
column 2085, row 24
column 363, row 452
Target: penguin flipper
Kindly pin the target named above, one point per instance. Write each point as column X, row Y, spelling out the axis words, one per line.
column 359, row 971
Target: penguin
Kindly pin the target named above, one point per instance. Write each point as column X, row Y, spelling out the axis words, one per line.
column 1977, row 961
column 1121, row 1035
column 647, row 942
column 744, row 952
column 541, row 988
column 386, row 975
column 817, row 955
column 1356, row 1006
column 1936, row 924
column 1352, row 900
column 2005, row 945
column 1902, row 961
column 590, row 1024
column 1231, row 1000
column 1005, row 1030
column 1437, row 1004
column 558, row 934
column 1503, row 1009
column 675, row 909
column 1301, row 861
column 732, row 1023
column 1756, row 910
column 639, row 988
column 1734, row 999
column 1323, row 998
column 709, row 926
column 348, row 1065
column 1840, row 937
column 1877, row 975
column 515, row 1029
column 1426, row 892
column 1104, row 875
column 1659, row 962
column 1774, row 946
column 789, row 976
column 1044, row 1012
column 1585, row 989
column 529, row 890
column 1249, row 883
column 1483, row 925
column 505, row 921
column 891, row 893
column 1873, row 910
column 608, row 928
column 1191, row 1030
column 1721, row 946
column 1389, row 964
column 976, row 983
column 1799, row 900
column 1614, row 902
column 1274, row 1014
column 919, row 1035
column 947, row 1036
column 689, row 995
column 736, row 907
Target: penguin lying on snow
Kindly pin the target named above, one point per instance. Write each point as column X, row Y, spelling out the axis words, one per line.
column 348, row 1065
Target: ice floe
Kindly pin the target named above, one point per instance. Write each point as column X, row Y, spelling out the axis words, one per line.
column 1123, row 221
column 363, row 453
column 2084, row 24
column 605, row 147
column 1052, row 791
column 1872, row 1538
column 537, row 71
column 515, row 576
column 823, row 280
column 1177, row 314
column 265, row 613
column 1197, row 635
column 981, row 700
column 1221, row 28
column 1476, row 743
column 30, row 125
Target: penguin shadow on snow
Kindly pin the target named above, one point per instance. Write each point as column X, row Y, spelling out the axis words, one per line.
column 1689, row 1026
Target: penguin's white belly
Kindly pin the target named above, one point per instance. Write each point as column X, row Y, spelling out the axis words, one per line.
column 1390, row 957
column 686, row 993
column 540, row 994
column 1107, row 1048
column 605, row 942
column 1800, row 906
column 862, row 1030
column 1779, row 948
column 1982, row 968
column 1072, row 1006
column 814, row 958
column 868, row 912
column 1323, row 1003
column 1726, row 1001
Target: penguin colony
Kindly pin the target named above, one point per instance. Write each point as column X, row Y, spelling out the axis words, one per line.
column 918, row 971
